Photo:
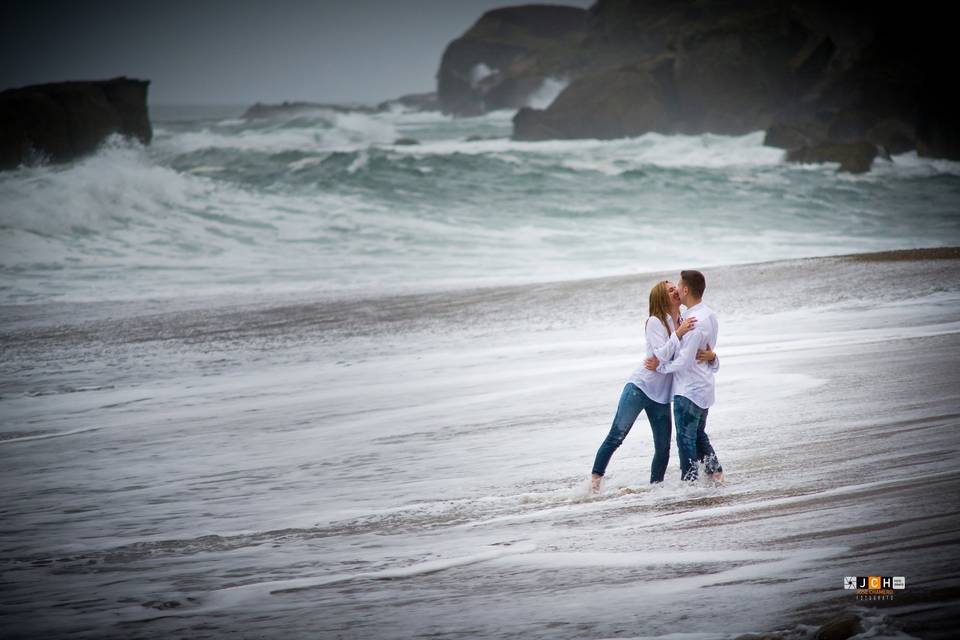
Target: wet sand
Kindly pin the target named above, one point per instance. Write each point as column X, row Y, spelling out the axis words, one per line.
column 415, row 465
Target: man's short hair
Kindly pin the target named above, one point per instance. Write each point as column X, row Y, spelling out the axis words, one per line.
column 694, row 280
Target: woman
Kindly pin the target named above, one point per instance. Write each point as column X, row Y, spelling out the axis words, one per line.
column 649, row 390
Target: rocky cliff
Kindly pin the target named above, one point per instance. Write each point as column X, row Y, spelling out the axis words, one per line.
column 507, row 55
column 61, row 121
column 808, row 72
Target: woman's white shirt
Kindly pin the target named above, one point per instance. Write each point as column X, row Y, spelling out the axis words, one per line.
column 656, row 385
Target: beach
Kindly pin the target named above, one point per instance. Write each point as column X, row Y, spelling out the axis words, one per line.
column 313, row 320
column 415, row 464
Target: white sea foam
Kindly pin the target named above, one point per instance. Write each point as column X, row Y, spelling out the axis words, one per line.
column 479, row 73
column 912, row 165
column 101, row 190
column 544, row 96
column 323, row 130
column 615, row 157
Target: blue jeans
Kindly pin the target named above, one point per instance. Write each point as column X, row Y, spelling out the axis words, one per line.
column 632, row 402
column 693, row 445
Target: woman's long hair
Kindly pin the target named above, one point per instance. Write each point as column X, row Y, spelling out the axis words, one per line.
column 660, row 303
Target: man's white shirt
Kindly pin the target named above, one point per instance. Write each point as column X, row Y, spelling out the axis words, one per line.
column 691, row 379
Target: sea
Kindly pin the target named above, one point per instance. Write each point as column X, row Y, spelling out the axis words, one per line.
column 286, row 378
column 323, row 203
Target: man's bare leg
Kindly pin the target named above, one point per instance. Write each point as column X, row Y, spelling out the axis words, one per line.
column 595, row 483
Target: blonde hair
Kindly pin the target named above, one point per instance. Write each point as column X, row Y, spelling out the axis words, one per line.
column 660, row 303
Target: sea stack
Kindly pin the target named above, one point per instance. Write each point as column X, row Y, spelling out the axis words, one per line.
column 807, row 72
column 62, row 121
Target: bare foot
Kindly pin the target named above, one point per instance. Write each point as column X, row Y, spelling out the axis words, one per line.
column 717, row 477
column 595, row 483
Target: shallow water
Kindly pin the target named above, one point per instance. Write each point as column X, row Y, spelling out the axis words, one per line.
column 416, row 464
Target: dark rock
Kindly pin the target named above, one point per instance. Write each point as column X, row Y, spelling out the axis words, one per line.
column 162, row 604
column 938, row 129
column 895, row 135
column 734, row 70
column 840, row 627
column 406, row 142
column 520, row 46
column 624, row 102
column 413, row 102
column 759, row 636
column 261, row 110
column 785, row 136
column 848, row 126
column 479, row 138
column 807, row 71
column 891, row 135
column 62, row 121
column 286, row 109
column 533, row 124
column 853, row 157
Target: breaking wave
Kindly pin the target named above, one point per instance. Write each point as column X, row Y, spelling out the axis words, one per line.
column 328, row 198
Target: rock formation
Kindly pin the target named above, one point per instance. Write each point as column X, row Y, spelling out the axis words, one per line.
column 412, row 102
column 854, row 157
column 809, row 72
column 285, row 108
column 62, row 121
column 507, row 55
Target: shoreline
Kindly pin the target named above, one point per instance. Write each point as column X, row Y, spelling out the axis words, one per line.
column 932, row 253
column 232, row 303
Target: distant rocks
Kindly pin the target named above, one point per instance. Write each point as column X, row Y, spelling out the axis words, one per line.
column 409, row 102
column 405, row 142
column 811, row 74
column 61, row 121
column 412, row 102
column 261, row 110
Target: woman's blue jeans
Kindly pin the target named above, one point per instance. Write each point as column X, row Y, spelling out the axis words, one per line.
column 632, row 402
column 693, row 445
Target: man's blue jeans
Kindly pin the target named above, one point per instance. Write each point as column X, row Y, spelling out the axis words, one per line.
column 632, row 402
column 693, row 445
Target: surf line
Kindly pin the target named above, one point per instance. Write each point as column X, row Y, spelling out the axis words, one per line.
column 423, row 568
column 47, row 436
column 238, row 595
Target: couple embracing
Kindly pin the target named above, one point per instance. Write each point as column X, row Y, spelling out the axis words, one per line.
column 680, row 365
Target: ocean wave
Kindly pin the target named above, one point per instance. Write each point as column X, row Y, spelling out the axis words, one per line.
column 320, row 130
column 501, row 161
column 617, row 156
column 911, row 165
column 101, row 190
column 326, row 198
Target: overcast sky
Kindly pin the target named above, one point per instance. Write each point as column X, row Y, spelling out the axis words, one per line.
column 238, row 52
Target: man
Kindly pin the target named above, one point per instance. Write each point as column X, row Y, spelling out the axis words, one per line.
column 693, row 383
